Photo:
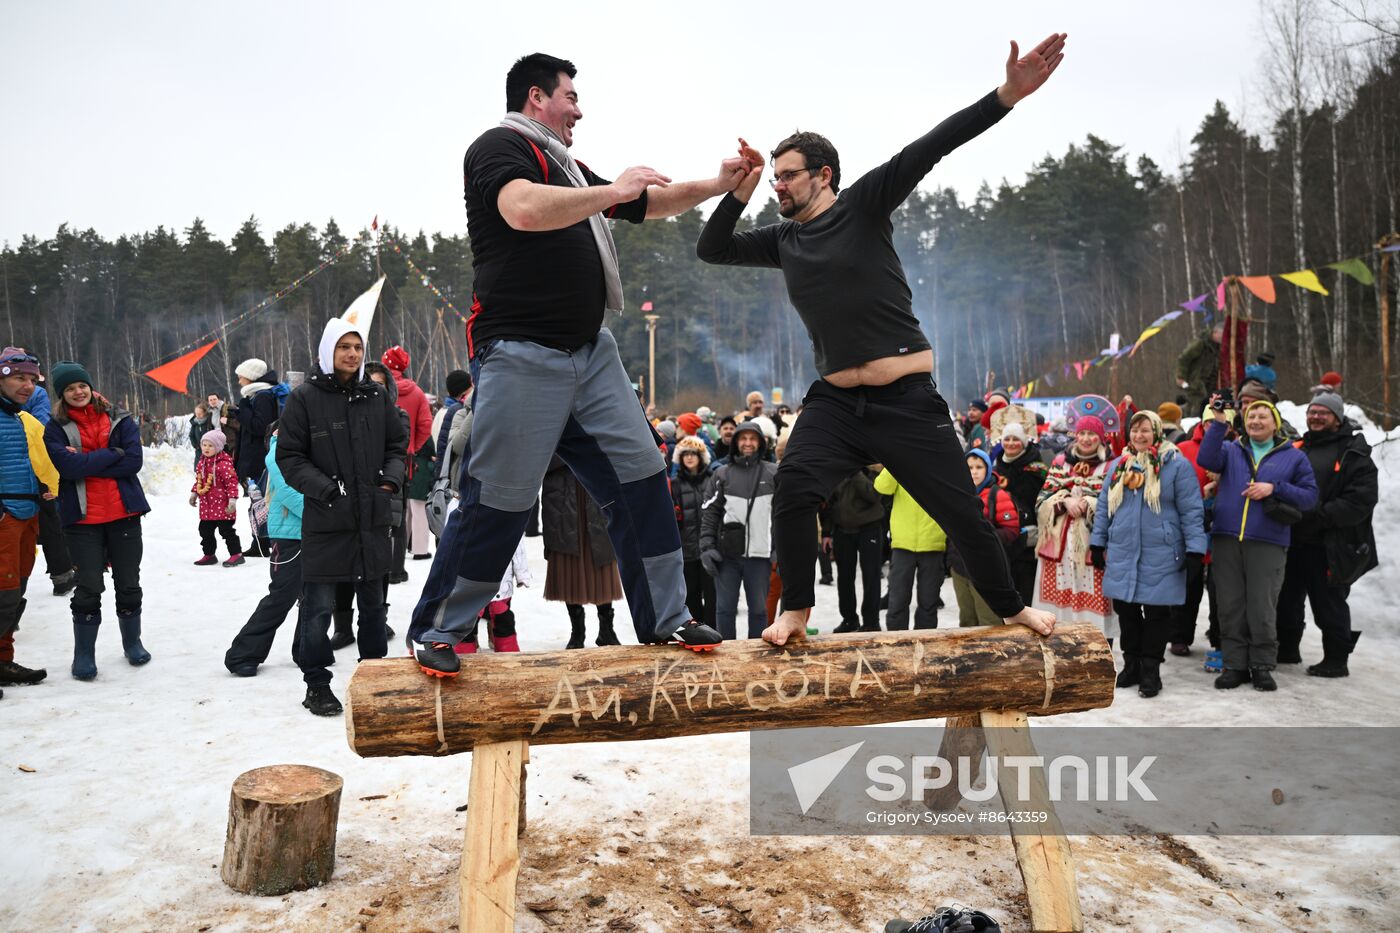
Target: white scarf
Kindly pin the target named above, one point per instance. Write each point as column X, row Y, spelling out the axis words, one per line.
column 545, row 138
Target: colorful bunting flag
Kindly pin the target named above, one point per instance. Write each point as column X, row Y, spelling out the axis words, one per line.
column 175, row 375
column 1220, row 295
column 1355, row 268
column 1196, row 305
column 1261, row 285
column 1304, row 278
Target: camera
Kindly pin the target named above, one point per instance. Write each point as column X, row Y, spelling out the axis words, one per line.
column 1223, row 399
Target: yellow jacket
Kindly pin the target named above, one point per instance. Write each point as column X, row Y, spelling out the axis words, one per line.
column 911, row 529
column 38, row 453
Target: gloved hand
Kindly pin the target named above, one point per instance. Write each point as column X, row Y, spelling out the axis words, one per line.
column 231, row 508
column 193, row 499
column 711, row 559
column 1096, row 557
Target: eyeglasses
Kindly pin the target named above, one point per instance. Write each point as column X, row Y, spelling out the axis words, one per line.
column 786, row 178
column 21, row 358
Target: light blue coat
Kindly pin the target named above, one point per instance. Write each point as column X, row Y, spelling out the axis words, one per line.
column 284, row 502
column 1145, row 558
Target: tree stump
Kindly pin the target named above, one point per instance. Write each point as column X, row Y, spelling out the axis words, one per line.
column 281, row 829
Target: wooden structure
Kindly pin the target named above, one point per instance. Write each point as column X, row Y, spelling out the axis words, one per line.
column 281, row 829
column 501, row 704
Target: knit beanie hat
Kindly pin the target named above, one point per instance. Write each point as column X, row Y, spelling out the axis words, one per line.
column 1278, row 419
column 251, row 369
column 12, row 364
column 458, row 381
column 705, row 414
column 1332, row 402
column 1091, row 423
column 1013, row 429
column 1169, row 412
column 65, row 373
column 1253, row 388
column 396, row 358
column 667, row 429
column 690, row 421
column 978, row 404
column 215, row 437
column 1333, row 379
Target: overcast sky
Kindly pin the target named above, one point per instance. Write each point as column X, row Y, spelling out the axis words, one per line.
column 124, row 116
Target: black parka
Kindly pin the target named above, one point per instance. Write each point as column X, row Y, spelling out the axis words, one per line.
column 337, row 443
column 1347, row 492
column 559, row 516
column 688, row 494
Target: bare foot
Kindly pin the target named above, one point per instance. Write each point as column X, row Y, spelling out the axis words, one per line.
column 1037, row 620
column 791, row 624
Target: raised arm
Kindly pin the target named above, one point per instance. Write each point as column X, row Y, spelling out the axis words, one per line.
column 681, row 196
column 885, row 188
column 719, row 244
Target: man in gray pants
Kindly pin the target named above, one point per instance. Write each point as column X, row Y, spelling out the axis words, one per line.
column 547, row 374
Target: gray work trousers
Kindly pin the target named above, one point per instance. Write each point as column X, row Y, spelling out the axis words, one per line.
column 904, row 565
column 1248, row 576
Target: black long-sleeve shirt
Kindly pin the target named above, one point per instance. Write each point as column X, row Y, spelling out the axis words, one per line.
column 842, row 272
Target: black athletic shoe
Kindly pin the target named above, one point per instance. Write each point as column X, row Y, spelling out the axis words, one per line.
column 825, row 581
column 439, row 660
column 17, row 675
column 697, row 636
column 422, row 557
column 1263, row 679
column 846, row 627
column 398, row 576
column 64, row 583
column 244, row 670
column 321, row 701
column 950, row 919
column 1229, row 680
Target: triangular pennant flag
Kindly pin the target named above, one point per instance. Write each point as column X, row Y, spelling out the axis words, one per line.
column 1080, row 368
column 1391, row 249
column 361, row 310
column 1170, row 316
column 1196, row 305
column 646, row 306
column 175, row 375
column 1261, row 285
column 1356, row 269
column 1304, row 278
column 1220, row 296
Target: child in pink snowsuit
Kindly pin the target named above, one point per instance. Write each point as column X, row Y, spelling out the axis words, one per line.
column 216, row 492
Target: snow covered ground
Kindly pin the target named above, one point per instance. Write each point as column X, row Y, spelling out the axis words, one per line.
column 120, row 823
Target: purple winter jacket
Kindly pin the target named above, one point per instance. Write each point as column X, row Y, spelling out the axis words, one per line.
column 1285, row 466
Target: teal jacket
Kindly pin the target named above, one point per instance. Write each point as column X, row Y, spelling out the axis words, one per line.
column 283, row 502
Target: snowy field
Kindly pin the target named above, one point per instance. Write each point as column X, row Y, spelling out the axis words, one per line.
column 115, row 792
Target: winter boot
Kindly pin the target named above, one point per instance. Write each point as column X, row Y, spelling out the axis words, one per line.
column 1263, row 679
column 1230, row 679
column 576, row 627
column 696, row 636
column 85, row 625
column 130, row 624
column 1214, row 662
column 321, row 701
column 208, row 560
column 1181, row 649
column 1150, row 683
column 606, row 635
column 503, row 633
column 12, row 674
column 1131, row 674
column 342, row 633
column 847, row 625
column 63, row 583
column 438, row 660
column 235, row 560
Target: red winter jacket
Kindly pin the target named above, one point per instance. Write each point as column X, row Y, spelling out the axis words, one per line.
column 104, row 499
column 1008, row 521
column 420, row 415
column 222, row 478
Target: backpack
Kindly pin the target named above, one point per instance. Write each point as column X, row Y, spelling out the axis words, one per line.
column 282, row 390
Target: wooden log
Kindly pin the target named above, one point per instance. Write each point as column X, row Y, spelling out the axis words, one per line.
column 1042, row 851
column 491, row 851
column 648, row 692
column 281, row 829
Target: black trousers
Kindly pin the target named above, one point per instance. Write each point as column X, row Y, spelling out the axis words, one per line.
column 1023, row 568
column 311, row 648
column 401, row 536
column 51, row 539
column 1305, row 578
column 253, row 643
column 699, row 592
column 905, row 426
column 1143, row 630
column 1183, row 624
column 226, row 530
column 94, row 547
column 864, row 546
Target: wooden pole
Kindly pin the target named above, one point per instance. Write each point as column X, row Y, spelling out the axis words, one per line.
column 651, row 357
column 645, row 692
column 1390, row 239
column 491, row 848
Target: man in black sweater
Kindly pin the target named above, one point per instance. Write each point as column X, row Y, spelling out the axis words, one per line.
column 875, row 400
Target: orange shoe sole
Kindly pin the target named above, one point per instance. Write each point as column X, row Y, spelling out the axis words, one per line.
column 698, row 648
column 432, row 673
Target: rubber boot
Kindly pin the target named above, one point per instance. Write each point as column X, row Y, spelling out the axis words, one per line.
column 130, row 624
column 1150, row 683
column 576, row 628
column 606, row 635
column 503, row 632
column 85, row 625
column 1131, row 674
column 342, row 632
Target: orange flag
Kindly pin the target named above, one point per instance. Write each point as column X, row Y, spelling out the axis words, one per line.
column 1261, row 285
column 176, row 374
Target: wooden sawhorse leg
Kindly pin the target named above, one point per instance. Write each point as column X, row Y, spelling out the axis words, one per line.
column 491, row 849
